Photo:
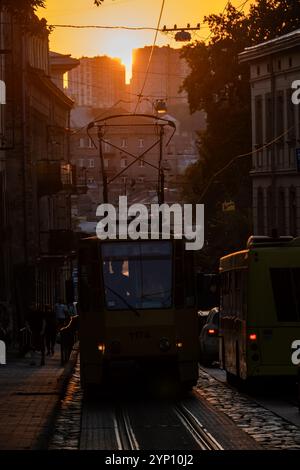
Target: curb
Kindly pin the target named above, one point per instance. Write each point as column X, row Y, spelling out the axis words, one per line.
column 43, row 440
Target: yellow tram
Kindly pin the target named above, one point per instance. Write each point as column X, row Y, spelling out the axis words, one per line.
column 137, row 309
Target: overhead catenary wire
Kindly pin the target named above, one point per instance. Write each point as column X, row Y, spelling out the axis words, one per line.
column 151, row 55
column 237, row 157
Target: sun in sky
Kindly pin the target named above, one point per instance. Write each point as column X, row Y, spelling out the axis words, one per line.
column 133, row 13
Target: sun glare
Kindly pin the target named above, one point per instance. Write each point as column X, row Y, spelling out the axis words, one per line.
column 121, row 46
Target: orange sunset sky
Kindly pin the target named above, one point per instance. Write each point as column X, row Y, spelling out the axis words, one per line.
column 119, row 43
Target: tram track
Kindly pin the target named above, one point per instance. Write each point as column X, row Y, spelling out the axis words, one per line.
column 203, row 438
column 124, row 431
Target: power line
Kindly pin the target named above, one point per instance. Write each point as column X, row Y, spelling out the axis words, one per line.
column 126, row 92
column 87, row 26
column 151, row 54
column 99, row 116
column 237, row 157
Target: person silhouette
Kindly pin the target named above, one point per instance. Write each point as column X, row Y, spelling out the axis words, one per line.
column 118, row 286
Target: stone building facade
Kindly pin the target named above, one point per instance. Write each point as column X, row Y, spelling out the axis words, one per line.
column 275, row 66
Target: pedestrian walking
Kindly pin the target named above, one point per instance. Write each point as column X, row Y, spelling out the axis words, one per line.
column 61, row 313
column 50, row 329
column 36, row 324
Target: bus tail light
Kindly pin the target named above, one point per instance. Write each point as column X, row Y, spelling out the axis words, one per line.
column 253, row 337
column 101, row 347
column 212, row 332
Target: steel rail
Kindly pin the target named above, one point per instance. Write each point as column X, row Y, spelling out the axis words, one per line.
column 203, row 438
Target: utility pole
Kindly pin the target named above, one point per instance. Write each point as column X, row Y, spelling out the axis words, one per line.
column 102, row 168
column 161, row 176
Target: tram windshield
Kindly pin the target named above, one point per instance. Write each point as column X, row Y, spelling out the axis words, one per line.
column 137, row 275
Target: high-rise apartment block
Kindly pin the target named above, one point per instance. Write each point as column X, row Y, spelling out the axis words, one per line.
column 165, row 76
column 98, row 82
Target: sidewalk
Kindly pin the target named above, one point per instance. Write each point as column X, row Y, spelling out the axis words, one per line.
column 29, row 396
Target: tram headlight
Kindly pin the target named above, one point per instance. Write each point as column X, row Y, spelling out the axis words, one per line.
column 179, row 344
column 101, row 347
column 164, row 344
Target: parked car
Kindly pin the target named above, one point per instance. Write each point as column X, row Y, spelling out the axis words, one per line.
column 209, row 338
column 202, row 317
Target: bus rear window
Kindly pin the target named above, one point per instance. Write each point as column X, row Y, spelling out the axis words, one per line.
column 286, row 292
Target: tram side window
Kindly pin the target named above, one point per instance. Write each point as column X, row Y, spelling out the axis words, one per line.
column 286, row 292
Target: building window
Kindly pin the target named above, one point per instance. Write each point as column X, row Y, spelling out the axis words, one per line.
column 293, row 212
column 269, row 159
column 269, row 117
column 141, row 163
column 107, row 147
column 91, row 163
column 81, row 163
column 290, row 115
column 90, row 143
column 124, row 143
column 123, row 162
column 141, row 143
column 279, row 113
column 258, row 70
column 281, row 212
column 280, row 156
column 81, row 142
column 260, row 212
column 279, row 65
column 258, row 120
column 106, row 163
column 260, row 159
column 290, row 62
column 270, row 209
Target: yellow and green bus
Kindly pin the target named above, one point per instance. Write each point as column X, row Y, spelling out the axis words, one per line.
column 260, row 308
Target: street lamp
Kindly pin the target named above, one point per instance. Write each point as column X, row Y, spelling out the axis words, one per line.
column 160, row 106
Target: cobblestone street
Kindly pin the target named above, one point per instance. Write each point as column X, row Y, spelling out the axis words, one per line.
column 266, row 427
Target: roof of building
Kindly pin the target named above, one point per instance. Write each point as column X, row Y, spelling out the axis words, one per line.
column 39, row 77
column 273, row 46
column 62, row 61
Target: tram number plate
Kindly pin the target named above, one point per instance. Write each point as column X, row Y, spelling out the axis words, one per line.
column 137, row 335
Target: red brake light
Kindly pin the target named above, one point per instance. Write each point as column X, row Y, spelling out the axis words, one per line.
column 253, row 337
column 212, row 331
